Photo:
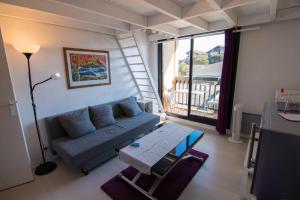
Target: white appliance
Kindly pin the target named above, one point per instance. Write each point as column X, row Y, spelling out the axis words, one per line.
column 287, row 100
column 236, row 124
column 283, row 94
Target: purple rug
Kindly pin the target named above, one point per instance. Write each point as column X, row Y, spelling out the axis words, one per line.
column 169, row 188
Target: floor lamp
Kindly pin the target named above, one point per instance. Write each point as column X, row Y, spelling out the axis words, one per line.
column 28, row 51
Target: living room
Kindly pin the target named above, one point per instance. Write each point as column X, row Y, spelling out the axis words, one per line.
column 261, row 65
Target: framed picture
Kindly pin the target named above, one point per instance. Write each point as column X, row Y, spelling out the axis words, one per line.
column 86, row 68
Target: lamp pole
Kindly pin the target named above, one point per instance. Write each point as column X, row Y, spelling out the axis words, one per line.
column 45, row 167
column 28, row 55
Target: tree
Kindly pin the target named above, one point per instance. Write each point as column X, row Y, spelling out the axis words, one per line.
column 183, row 69
column 200, row 60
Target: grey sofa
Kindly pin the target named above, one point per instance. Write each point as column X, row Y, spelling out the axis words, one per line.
column 89, row 151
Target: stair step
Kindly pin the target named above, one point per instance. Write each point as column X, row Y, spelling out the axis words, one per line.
column 134, row 46
column 149, row 97
column 133, row 56
column 142, row 78
column 123, row 38
column 123, row 35
column 147, row 91
column 144, row 85
column 136, row 63
column 138, row 71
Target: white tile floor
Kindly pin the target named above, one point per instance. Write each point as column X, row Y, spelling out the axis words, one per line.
column 218, row 179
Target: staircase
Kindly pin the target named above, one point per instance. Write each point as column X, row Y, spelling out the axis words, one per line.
column 139, row 71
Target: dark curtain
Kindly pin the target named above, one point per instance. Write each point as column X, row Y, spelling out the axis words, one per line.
column 160, row 69
column 227, row 83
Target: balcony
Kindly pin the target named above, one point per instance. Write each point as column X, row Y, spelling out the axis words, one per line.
column 204, row 97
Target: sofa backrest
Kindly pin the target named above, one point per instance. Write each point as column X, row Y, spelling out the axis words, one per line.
column 55, row 130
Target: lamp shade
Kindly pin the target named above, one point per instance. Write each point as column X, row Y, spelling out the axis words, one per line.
column 26, row 48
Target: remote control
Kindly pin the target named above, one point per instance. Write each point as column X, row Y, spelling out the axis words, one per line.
column 135, row 144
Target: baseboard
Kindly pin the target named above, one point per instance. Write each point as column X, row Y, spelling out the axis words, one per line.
column 192, row 123
column 202, row 126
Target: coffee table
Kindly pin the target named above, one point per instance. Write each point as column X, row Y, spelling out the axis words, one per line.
column 158, row 153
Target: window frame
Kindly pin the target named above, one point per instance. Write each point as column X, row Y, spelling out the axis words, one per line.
column 201, row 119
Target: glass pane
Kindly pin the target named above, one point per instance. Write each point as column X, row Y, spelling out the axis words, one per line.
column 207, row 68
column 176, row 76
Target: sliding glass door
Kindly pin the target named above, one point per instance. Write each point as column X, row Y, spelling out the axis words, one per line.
column 191, row 73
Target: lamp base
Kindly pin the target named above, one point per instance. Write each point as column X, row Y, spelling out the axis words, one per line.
column 45, row 168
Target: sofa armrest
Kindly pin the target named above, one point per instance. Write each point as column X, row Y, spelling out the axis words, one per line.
column 146, row 105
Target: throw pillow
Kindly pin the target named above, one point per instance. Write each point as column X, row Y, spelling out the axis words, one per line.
column 77, row 123
column 130, row 107
column 102, row 115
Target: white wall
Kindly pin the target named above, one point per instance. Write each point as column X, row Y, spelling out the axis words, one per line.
column 153, row 64
column 54, row 97
column 269, row 58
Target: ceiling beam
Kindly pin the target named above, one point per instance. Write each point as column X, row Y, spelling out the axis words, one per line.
column 107, row 10
column 166, row 7
column 47, row 18
column 273, row 9
column 229, row 4
column 159, row 19
column 249, row 20
column 189, row 31
column 171, row 12
column 70, row 12
column 218, row 25
column 287, row 14
column 201, row 8
column 282, row 15
column 198, row 23
column 197, row 9
column 164, row 28
column 229, row 15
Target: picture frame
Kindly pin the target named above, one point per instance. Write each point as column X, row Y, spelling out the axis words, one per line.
column 86, row 67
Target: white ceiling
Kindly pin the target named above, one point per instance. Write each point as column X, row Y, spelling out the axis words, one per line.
column 179, row 24
column 185, row 2
column 135, row 6
column 170, row 17
column 212, row 17
column 260, row 7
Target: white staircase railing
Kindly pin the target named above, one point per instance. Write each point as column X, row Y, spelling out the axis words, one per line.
column 139, row 71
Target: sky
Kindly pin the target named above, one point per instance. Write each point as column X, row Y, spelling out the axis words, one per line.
column 201, row 43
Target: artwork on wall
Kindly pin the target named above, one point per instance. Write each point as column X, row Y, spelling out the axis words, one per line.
column 86, row 68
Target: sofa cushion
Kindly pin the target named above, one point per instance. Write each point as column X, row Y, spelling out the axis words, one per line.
column 130, row 107
column 77, row 123
column 138, row 122
column 102, row 115
column 80, row 150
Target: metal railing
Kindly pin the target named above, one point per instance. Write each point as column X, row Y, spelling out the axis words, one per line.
column 204, row 94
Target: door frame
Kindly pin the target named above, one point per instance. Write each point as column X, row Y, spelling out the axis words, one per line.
column 200, row 119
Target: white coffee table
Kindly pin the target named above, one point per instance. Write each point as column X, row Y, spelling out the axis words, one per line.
column 159, row 152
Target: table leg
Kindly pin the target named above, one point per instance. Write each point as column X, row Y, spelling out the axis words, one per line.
column 154, row 185
column 192, row 156
column 132, row 183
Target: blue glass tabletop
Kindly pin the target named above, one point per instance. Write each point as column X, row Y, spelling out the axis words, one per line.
column 183, row 147
column 187, row 143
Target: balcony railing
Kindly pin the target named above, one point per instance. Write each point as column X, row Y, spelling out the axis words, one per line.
column 204, row 94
